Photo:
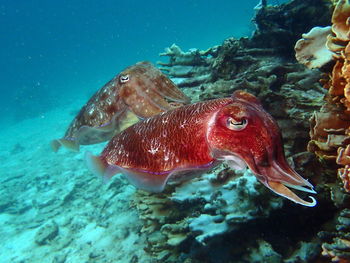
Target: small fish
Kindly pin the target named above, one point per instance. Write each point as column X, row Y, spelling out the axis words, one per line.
column 195, row 138
column 139, row 91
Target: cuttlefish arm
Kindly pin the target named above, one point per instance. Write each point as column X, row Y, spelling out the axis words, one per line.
column 244, row 132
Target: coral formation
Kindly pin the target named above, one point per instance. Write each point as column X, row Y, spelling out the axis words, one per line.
column 276, row 26
column 223, row 216
column 287, row 90
column 311, row 50
column 330, row 127
column 205, row 208
column 330, row 136
column 187, row 69
column 197, row 215
column 337, row 244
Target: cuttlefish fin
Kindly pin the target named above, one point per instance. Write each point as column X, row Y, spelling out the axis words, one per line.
column 94, row 164
column 284, row 191
column 145, row 180
column 91, row 135
column 98, row 167
column 69, row 144
column 140, row 179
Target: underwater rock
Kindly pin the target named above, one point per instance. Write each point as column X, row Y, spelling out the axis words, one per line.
column 59, row 258
column 280, row 26
column 46, row 233
column 6, row 202
column 202, row 209
column 187, row 69
column 305, row 253
column 226, row 206
column 208, row 209
column 337, row 244
column 263, row 253
column 175, row 233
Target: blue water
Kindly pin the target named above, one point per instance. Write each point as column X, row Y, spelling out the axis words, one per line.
column 53, row 52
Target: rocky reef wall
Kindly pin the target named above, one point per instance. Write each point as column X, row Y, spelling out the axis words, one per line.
column 226, row 216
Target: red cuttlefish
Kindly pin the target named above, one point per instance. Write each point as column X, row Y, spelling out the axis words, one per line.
column 194, row 138
column 139, row 91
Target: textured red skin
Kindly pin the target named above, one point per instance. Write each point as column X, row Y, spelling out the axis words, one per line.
column 183, row 139
column 179, row 136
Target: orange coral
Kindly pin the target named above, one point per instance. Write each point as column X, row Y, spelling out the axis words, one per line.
column 344, row 159
column 338, row 83
column 330, row 136
column 328, row 131
column 340, row 20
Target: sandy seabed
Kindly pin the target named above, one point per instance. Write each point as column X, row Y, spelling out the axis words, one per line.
column 52, row 209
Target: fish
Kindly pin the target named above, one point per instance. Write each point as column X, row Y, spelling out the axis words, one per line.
column 138, row 92
column 194, row 138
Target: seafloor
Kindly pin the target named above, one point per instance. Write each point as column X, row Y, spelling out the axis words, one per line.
column 52, row 209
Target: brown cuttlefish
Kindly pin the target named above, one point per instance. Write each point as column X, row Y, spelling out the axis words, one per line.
column 139, row 91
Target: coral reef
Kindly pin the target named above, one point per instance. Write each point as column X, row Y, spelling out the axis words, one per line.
column 311, row 50
column 200, row 216
column 202, row 209
column 276, row 26
column 330, row 127
column 287, row 90
column 330, row 136
column 223, row 216
column 337, row 244
column 187, row 69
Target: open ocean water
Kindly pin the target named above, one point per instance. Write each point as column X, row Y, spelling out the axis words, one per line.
column 53, row 52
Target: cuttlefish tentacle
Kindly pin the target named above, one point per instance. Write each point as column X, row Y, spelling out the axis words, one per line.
column 131, row 95
column 284, row 191
column 192, row 139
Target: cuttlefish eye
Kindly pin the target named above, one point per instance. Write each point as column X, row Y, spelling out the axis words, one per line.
column 236, row 125
column 124, row 78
